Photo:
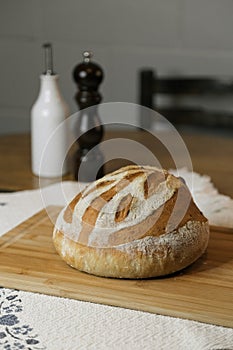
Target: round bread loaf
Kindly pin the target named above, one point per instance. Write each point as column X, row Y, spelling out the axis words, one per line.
column 136, row 222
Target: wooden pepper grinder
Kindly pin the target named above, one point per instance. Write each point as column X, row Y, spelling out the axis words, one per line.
column 88, row 166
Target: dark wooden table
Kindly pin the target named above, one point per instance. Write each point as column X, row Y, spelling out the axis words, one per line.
column 211, row 154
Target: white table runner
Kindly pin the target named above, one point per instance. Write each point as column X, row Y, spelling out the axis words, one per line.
column 34, row 321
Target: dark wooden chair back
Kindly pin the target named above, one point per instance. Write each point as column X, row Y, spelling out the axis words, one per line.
column 151, row 86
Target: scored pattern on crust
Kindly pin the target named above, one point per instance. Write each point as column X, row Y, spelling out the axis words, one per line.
column 123, row 208
column 128, row 204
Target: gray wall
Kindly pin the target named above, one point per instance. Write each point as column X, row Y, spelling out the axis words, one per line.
column 175, row 36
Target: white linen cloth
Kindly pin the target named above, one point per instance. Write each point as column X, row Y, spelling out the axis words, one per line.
column 34, row 321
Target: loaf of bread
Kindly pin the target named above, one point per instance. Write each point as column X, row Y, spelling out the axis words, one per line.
column 136, row 222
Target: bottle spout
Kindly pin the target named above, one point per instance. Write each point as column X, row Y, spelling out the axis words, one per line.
column 48, row 57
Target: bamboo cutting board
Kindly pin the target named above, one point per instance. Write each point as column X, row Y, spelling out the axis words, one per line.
column 202, row 292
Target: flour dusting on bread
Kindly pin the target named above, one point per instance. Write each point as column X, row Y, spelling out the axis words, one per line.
column 137, row 191
column 140, row 219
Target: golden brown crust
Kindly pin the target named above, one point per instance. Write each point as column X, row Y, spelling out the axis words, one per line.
column 154, row 258
column 70, row 208
column 123, row 208
column 160, row 222
column 152, row 182
column 153, row 227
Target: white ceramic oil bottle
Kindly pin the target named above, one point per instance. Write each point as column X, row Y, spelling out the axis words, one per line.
column 48, row 129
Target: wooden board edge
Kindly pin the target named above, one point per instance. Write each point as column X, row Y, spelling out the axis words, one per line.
column 20, row 230
column 125, row 304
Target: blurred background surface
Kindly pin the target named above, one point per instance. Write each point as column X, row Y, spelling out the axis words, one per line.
column 173, row 36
